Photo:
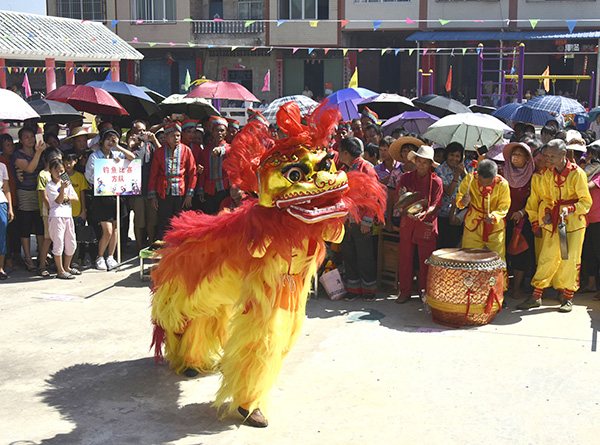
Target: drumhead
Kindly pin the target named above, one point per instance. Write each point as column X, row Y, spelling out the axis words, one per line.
column 466, row 258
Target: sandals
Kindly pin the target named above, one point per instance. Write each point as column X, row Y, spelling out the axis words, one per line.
column 3, row 276
column 66, row 276
column 43, row 272
column 30, row 266
column 75, row 271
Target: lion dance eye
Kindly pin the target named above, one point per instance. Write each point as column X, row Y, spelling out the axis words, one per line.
column 294, row 175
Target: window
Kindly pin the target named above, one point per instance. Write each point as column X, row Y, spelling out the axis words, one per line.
column 303, row 9
column 81, row 9
column 153, row 10
column 250, row 9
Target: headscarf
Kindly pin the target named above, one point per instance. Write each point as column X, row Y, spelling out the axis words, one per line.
column 517, row 177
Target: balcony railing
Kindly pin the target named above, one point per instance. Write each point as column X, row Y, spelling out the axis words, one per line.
column 228, row 27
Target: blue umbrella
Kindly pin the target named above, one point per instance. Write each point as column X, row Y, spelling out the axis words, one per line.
column 507, row 111
column 593, row 114
column 137, row 103
column 541, row 109
column 343, row 100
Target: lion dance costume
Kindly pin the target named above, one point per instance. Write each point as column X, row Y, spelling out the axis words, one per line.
column 230, row 290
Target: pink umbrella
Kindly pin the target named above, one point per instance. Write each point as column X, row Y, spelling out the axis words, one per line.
column 86, row 98
column 14, row 107
column 222, row 90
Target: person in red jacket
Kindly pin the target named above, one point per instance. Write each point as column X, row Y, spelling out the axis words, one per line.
column 214, row 183
column 357, row 245
column 418, row 230
column 172, row 178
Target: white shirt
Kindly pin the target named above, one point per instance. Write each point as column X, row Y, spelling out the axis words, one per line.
column 59, row 210
column 89, row 167
column 3, row 177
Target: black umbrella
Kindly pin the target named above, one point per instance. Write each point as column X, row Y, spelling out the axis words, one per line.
column 440, row 106
column 156, row 97
column 53, row 111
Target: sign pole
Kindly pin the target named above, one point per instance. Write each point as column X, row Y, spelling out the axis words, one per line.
column 119, row 231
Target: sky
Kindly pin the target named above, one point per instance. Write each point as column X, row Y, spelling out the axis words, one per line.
column 31, row 6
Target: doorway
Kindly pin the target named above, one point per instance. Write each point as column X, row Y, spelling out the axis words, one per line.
column 313, row 77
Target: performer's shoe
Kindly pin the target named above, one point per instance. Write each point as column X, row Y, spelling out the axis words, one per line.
column 256, row 419
column 567, row 306
column 531, row 302
column 190, row 372
column 402, row 299
column 369, row 296
column 350, row 296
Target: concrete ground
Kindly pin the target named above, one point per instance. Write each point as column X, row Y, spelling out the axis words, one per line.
column 76, row 369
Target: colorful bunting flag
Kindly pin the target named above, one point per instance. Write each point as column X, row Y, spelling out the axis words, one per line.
column 135, row 40
column 267, row 84
column 410, row 21
column 294, row 50
column 310, row 50
column 464, row 50
column 377, row 24
column 326, row 50
column 444, row 22
column 113, row 23
column 354, row 79
column 571, row 25
column 410, row 51
column 281, row 22
column 345, row 22
column 533, row 22
column 313, row 23
column 396, row 51
column 344, row 52
column 248, row 23
column 151, row 44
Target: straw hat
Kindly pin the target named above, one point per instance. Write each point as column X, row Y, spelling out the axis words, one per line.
column 575, row 141
column 424, row 152
column 396, row 147
column 79, row 131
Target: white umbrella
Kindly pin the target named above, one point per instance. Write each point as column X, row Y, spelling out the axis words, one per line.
column 468, row 129
column 14, row 108
column 386, row 105
column 306, row 104
column 193, row 107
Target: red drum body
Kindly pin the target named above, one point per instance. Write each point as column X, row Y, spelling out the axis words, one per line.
column 465, row 286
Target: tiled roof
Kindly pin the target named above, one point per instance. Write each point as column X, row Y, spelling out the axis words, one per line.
column 496, row 35
column 31, row 36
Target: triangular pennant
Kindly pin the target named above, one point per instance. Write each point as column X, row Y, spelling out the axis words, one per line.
column 255, row 48
column 113, row 23
column 383, row 51
column 396, row 51
column 137, row 22
column 444, row 22
column 171, row 43
column 361, row 50
column 9, row 69
column 281, row 22
column 377, row 24
column 191, row 44
column 344, row 52
column 233, row 48
column 188, row 20
column 217, row 20
column 326, row 50
column 425, row 51
column 345, row 22
column 571, row 25
column 151, row 44
column 310, row 50
column 313, row 23
column 410, row 21
column 44, row 69
column 294, row 50
column 438, row 50
column 270, row 49
column 464, row 50
column 533, row 22
column 210, row 46
column 479, row 21
column 135, row 40
column 248, row 23
column 410, row 51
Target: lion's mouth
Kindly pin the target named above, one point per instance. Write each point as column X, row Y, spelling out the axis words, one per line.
column 315, row 208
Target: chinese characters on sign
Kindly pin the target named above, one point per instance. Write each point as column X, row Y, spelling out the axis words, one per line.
column 117, row 178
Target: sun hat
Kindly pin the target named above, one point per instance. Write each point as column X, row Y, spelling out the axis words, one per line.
column 396, row 147
column 424, row 152
column 79, row 131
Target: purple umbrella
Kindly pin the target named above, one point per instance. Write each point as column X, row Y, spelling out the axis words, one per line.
column 413, row 121
column 345, row 100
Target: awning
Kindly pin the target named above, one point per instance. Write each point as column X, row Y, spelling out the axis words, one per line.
column 37, row 37
column 479, row 36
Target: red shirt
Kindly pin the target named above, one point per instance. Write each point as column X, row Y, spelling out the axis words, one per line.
column 173, row 172
column 432, row 189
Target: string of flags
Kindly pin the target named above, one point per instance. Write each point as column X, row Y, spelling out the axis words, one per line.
column 43, row 69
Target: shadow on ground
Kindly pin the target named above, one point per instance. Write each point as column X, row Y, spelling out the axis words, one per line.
column 126, row 402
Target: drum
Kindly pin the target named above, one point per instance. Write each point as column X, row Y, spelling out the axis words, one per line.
column 465, row 286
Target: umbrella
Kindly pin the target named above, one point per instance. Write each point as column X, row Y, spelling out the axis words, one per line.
column 137, row 103
column 481, row 109
column 344, row 100
column 305, row 103
column 156, row 97
column 386, row 105
column 507, row 111
column 540, row 109
column 56, row 112
column 413, row 121
column 593, row 114
column 222, row 90
column 194, row 107
column 468, row 129
column 440, row 106
column 14, row 108
column 86, row 98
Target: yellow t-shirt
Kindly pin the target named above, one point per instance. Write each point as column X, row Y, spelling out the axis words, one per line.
column 43, row 177
column 79, row 185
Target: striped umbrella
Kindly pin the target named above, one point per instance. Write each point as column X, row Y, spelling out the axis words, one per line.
column 507, row 111
column 540, row 109
column 305, row 103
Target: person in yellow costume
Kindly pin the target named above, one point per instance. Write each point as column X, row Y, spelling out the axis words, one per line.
column 535, row 199
column 565, row 197
column 488, row 196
